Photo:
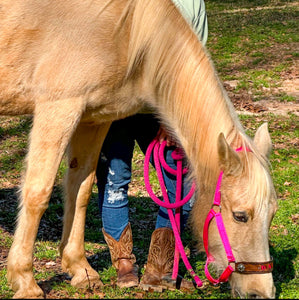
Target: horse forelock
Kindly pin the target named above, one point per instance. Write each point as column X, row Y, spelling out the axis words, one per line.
column 260, row 189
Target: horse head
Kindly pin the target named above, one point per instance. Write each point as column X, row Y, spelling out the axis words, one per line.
column 247, row 203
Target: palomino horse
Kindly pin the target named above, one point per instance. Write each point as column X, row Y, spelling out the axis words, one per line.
column 79, row 65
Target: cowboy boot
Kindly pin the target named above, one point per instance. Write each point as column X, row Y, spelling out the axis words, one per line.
column 158, row 269
column 122, row 258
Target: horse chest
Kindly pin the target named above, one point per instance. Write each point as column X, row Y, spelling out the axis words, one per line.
column 111, row 107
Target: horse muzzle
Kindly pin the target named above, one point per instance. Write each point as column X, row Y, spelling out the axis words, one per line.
column 257, row 287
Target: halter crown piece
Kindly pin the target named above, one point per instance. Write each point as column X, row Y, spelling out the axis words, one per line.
column 241, row 267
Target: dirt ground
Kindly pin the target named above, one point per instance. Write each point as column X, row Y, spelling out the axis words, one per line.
column 244, row 103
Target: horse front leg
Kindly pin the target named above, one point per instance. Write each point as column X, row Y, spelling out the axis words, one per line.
column 53, row 125
column 83, row 154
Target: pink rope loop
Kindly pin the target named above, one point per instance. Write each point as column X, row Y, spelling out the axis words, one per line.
column 177, row 156
column 148, row 185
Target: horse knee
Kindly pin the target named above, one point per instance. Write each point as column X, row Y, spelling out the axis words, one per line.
column 36, row 198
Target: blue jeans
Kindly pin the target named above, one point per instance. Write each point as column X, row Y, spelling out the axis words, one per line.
column 114, row 173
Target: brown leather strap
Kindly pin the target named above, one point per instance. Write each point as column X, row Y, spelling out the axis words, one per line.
column 254, row 267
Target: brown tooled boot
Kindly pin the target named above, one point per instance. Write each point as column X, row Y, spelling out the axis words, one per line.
column 122, row 258
column 158, row 270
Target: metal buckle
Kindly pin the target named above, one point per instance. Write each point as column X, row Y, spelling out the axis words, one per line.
column 218, row 210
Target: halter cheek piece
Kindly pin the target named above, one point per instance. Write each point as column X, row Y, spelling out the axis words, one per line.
column 240, row 267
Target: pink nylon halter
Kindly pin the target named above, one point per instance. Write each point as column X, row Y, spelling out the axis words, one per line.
column 222, row 232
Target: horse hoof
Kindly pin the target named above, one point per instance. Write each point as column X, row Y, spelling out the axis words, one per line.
column 36, row 293
column 87, row 283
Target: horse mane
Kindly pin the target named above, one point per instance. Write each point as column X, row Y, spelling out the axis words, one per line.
column 185, row 88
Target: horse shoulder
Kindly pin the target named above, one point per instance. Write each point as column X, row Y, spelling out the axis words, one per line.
column 59, row 49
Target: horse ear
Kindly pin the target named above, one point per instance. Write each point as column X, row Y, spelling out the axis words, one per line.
column 229, row 160
column 262, row 140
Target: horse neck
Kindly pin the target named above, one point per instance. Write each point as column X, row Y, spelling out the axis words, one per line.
column 199, row 110
column 184, row 86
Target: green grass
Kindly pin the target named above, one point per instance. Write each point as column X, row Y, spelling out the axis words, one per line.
column 283, row 234
column 254, row 47
column 251, row 45
column 46, row 250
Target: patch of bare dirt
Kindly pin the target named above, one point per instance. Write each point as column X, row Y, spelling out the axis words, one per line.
column 279, row 6
column 244, row 101
column 244, row 104
column 288, row 84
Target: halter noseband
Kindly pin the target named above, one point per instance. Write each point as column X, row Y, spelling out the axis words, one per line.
column 240, row 267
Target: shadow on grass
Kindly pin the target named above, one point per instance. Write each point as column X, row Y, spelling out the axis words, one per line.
column 22, row 126
column 51, row 223
column 9, row 209
column 283, row 271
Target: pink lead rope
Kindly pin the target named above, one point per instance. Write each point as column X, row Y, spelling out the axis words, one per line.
column 158, row 153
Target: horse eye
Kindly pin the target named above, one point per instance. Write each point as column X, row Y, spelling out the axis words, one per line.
column 240, row 216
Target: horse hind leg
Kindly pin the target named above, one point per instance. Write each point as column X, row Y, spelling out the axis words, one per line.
column 83, row 154
column 53, row 125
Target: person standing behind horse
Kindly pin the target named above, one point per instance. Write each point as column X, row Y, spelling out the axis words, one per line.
column 114, row 175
